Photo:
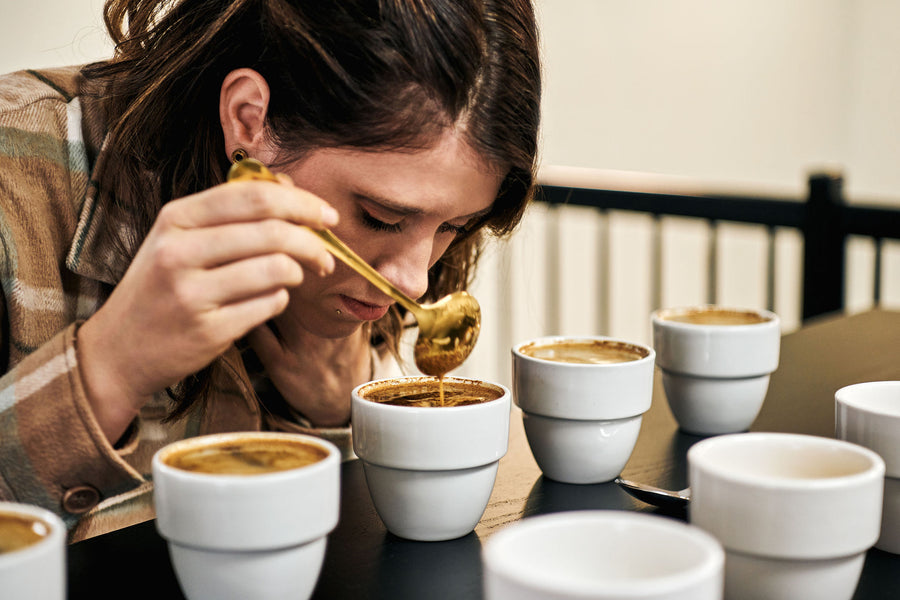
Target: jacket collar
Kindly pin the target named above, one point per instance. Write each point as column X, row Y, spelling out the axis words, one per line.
column 90, row 255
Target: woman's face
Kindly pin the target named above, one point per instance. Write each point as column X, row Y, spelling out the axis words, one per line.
column 399, row 211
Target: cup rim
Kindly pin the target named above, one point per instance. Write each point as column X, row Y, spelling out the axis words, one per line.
column 698, row 458
column 54, row 536
column 846, row 396
column 158, row 461
column 658, row 316
column 713, row 559
column 542, row 340
column 356, row 396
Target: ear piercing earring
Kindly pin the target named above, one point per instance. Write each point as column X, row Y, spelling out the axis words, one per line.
column 239, row 155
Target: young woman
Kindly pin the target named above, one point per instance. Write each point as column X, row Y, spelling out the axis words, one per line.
column 144, row 299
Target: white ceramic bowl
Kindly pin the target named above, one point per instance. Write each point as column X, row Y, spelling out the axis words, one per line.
column 869, row 414
column 430, row 470
column 581, row 420
column 715, row 376
column 36, row 572
column 242, row 536
column 795, row 513
column 602, row 555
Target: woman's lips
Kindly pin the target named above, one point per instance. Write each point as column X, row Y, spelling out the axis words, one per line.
column 363, row 310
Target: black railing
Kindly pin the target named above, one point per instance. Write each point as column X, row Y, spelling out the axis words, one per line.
column 824, row 220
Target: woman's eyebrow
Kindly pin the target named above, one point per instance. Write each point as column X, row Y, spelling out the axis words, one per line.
column 478, row 214
column 390, row 205
column 404, row 210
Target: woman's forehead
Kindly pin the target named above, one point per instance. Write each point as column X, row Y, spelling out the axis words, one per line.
column 447, row 176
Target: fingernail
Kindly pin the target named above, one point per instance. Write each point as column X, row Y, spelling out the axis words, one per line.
column 328, row 268
column 329, row 215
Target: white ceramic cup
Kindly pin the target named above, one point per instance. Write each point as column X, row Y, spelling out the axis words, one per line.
column 602, row 555
column 258, row 536
column 715, row 369
column 868, row 414
column 430, row 470
column 582, row 420
column 36, row 571
column 795, row 513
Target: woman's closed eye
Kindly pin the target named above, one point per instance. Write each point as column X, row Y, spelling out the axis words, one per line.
column 457, row 230
column 378, row 225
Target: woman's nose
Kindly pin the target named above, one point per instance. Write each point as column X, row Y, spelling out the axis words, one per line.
column 406, row 266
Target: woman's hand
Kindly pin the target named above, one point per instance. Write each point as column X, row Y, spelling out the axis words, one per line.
column 214, row 266
column 315, row 375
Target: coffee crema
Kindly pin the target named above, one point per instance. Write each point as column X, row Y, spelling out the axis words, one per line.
column 19, row 531
column 715, row 316
column 427, row 393
column 593, row 352
column 246, row 457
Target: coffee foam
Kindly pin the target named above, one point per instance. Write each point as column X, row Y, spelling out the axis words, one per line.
column 584, row 351
column 20, row 531
column 250, row 456
column 426, row 392
column 714, row 316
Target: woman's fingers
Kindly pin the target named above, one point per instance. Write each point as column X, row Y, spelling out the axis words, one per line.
column 243, row 201
column 210, row 247
column 234, row 320
column 241, row 220
column 243, row 279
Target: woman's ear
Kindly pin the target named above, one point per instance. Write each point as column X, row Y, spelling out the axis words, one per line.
column 243, row 103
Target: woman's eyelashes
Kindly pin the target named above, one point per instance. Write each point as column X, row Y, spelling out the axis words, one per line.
column 378, row 225
column 456, row 230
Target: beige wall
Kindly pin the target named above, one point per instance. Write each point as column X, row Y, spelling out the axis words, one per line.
column 750, row 91
column 746, row 93
column 47, row 33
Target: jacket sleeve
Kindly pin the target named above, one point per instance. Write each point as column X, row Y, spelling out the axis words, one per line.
column 52, row 451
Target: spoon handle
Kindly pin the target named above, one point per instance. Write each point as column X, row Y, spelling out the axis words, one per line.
column 250, row 168
column 340, row 250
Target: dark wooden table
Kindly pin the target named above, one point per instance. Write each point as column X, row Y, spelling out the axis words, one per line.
column 363, row 560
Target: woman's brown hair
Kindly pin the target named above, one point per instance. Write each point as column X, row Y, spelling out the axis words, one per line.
column 369, row 74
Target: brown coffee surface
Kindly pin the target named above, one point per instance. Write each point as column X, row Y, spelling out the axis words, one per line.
column 426, row 393
column 246, row 457
column 20, row 531
column 717, row 316
column 599, row 352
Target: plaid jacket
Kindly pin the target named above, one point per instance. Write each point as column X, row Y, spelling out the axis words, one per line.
column 54, row 273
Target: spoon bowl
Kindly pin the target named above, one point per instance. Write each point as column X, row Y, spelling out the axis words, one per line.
column 448, row 328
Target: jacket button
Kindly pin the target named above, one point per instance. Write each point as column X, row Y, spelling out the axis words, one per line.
column 80, row 499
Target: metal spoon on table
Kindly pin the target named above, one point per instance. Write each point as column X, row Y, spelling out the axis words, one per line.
column 655, row 496
column 448, row 328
